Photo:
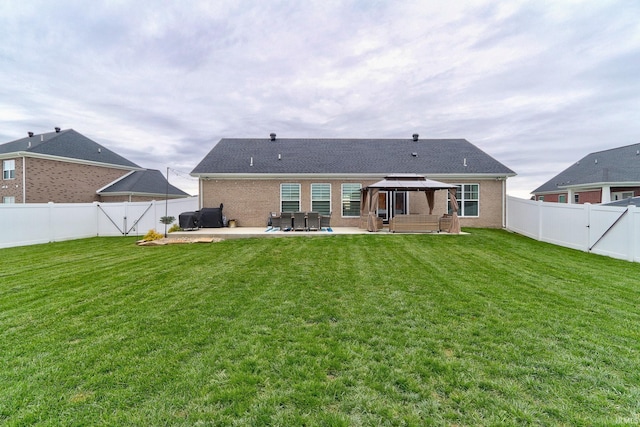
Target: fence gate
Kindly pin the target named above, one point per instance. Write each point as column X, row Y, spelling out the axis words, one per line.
column 124, row 230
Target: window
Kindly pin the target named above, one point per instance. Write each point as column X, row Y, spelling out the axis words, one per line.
column 576, row 198
column 468, row 196
column 351, row 200
column 8, row 199
column 562, row 198
column 289, row 197
column 321, row 198
column 8, row 169
column 541, row 198
column 621, row 195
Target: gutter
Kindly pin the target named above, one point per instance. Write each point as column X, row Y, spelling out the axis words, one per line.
column 341, row 176
column 598, row 185
column 67, row 160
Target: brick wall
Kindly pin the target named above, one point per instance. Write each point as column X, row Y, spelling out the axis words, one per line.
column 555, row 198
column 63, row 182
column 251, row 201
column 491, row 204
column 594, row 196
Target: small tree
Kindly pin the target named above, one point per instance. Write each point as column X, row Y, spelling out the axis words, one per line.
column 166, row 220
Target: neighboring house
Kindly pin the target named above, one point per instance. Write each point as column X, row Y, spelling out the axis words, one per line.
column 140, row 185
column 66, row 167
column 599, row 177
column 256, row 177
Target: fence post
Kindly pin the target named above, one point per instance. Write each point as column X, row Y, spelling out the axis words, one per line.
column 632, row 233
column 539, row 231
column 587, row 213
column 52, row 235
column 124, row 219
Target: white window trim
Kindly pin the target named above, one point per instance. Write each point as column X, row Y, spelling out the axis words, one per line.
column 299, row 194
column 342, row 199
column 461, row 200
column 5, row 169
column 311, row 195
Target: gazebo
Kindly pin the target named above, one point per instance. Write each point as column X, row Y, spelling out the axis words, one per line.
column 407, row 182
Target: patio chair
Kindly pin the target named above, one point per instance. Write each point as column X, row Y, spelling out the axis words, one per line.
column 325, row 221
column 285, row 221
column 299, row 223
column 313, row 221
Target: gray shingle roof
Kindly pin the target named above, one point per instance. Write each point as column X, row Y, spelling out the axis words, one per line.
column 348, row 156
column 66, row 143
column 635, row 201
column 148, row 181
column 617, row 165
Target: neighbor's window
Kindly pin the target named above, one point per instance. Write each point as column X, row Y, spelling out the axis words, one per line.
column 541, row 198
column 8, row 199
column 8, row 169
column 562, row 198
column 351, row 200
column 321, row 198
column 468, row 196
column 289, row 197
column 576, row 198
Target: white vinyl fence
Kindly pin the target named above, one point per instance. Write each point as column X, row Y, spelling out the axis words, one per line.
column 605, row 230
column 33, row 223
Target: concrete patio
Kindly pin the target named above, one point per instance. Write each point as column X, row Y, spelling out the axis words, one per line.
column 244, row 232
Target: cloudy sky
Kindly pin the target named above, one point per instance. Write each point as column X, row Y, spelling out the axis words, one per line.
column 536, row 84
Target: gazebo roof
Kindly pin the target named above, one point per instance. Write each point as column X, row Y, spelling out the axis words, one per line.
column 409, row 182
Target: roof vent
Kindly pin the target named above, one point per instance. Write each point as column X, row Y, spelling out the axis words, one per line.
column 415, row 136
column 273, row 136
column 57, row 130
column 414, row 154
column 30, row 134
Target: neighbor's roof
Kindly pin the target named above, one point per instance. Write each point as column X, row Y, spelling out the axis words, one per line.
column 615, row 166
column 635, row 201
column 146, row 182
column 348, row 156
column 66, row 143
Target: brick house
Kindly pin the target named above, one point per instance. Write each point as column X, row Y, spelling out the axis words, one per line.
column 599, row 177
column 254, row 177
column 66, row 167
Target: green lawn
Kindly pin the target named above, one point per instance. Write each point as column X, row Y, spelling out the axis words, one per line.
column 484, row 329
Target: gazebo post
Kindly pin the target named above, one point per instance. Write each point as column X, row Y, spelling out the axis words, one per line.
column 372, row 196
column 454, row 228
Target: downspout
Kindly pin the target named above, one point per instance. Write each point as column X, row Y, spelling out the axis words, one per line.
column 504, row 203
column 24, row 180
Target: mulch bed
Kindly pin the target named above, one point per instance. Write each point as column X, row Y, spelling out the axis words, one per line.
column 177, row 241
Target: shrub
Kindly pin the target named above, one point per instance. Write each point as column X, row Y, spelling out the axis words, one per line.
column 174, row 227
column 152, row 235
